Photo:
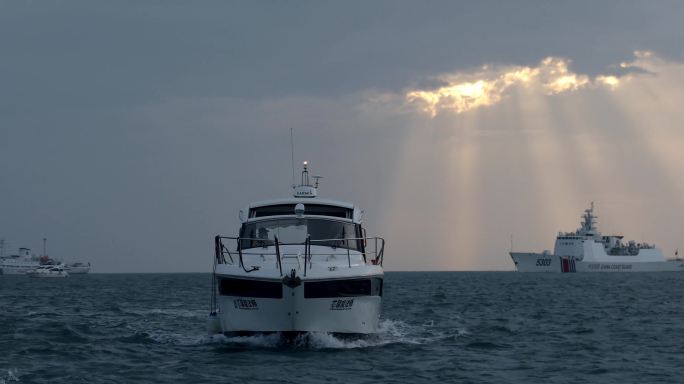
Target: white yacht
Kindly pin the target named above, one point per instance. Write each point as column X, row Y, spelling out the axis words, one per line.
column 78, row 268
column 20, row 263
column 49, row 271
column 300, row 264
column 587, row 250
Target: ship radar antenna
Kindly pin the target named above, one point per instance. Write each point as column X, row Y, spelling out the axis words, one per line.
column 317, row 179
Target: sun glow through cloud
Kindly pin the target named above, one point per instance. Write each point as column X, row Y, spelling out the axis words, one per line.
column 536, row 144
column 466, row 91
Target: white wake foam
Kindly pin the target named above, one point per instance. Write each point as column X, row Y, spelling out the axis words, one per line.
column 389, row 332
column 271, row 340
column 11, row 376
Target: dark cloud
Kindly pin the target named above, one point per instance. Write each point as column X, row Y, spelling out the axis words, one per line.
column 102, row 53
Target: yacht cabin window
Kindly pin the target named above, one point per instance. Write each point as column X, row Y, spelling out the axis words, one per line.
column 311, row 209
column 294, row 231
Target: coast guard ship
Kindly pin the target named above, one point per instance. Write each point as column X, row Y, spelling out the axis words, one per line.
column 586, row 250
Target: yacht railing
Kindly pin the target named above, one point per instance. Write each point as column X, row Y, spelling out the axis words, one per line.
column 372, row 250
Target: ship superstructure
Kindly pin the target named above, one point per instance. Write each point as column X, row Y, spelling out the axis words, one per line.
column 19, row 263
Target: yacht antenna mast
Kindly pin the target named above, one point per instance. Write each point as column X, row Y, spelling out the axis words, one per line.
column 292, row 155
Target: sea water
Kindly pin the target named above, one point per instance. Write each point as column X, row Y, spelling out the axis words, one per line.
column 479, row 327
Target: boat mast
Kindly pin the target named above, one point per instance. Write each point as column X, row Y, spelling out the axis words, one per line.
column 292, row 156
column 305, row 189
column 305, row 174
column 44, row 246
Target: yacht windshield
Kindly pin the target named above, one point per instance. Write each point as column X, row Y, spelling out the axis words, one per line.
column 294, row 231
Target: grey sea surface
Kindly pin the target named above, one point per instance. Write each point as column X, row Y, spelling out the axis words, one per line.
column 471, row 327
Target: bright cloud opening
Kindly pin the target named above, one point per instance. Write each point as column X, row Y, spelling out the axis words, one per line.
column 465, row 91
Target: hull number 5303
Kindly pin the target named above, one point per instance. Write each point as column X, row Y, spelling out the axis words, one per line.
column 543, row 262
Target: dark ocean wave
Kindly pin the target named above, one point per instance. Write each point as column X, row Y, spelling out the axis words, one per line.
column 436, row 327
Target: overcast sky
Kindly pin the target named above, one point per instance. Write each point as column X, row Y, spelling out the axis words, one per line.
column 133, row 132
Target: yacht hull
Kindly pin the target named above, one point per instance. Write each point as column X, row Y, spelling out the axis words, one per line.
column 44, row 276
column 293, row 312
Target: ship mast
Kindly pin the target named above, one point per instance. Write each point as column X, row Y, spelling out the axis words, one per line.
column 589, row 222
